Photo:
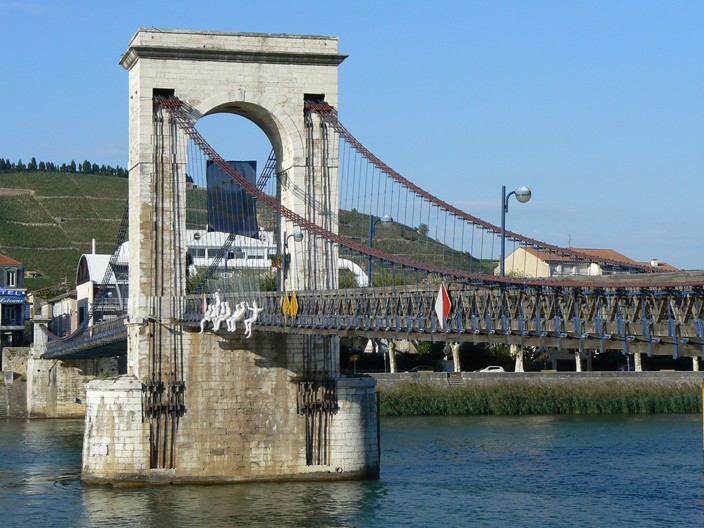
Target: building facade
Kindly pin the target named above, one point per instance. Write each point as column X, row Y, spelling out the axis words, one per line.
column 531, row 262
column 13, row 304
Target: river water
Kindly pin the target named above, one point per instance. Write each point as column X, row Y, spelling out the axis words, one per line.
column 469, row 471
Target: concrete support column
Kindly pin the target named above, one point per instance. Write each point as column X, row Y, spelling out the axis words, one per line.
column 455, row 347
column 392, row 355
column 695, row 363
column 41, row 337
column 637, row 362
column 577, row 360
column 354, row 432
column 517, row 353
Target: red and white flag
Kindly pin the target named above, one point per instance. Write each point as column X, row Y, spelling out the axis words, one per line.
column 442, row 306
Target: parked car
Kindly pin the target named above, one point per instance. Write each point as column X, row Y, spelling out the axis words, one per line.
column 492, row 368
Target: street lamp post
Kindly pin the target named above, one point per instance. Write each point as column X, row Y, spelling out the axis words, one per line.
column 297, row 237
column 372, row 228
column 523, row 194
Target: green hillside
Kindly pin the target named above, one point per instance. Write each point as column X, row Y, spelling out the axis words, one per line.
column 399, row 239
column 49, row 219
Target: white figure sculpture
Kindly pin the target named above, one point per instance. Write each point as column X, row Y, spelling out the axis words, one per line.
column 252, row 318
column 220, row 317
column 211, row 311
column 206, row 317
column 237, row 316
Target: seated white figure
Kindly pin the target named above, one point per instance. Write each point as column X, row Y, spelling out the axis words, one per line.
column 207, row 316
column 237, row 316
column 223, row 315
column 211, row 311
column 252, row 318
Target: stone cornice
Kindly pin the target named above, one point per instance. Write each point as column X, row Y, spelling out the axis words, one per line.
column 219, row 55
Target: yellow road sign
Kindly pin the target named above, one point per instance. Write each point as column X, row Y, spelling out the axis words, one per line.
column 289, row 305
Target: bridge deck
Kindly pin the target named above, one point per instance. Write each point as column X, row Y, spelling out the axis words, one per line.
column 654, row 314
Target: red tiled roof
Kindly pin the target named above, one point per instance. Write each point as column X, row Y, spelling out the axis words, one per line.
column 661, row 266
column 7, row 261
column 608, row 254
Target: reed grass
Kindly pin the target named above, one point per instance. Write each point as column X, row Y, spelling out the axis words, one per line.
column 416, row 399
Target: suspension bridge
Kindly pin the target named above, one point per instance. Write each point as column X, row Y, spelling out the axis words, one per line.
column 385, row 281
column 242, row 281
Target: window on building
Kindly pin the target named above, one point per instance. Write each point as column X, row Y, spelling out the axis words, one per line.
column 11, row 278
column 10, row 315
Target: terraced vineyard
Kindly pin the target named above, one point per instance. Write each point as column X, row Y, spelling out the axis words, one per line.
column 48, row 220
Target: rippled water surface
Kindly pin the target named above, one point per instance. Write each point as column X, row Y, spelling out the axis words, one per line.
column 475, row 471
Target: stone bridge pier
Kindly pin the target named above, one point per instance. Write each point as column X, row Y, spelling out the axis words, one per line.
column 206, row 407
column 247, row 414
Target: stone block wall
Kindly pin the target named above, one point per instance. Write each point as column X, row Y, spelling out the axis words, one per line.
column 13, row 383
column 15, row 359
column 56, row 388
column 241, row 420
column 13, row 395
column 116, row 439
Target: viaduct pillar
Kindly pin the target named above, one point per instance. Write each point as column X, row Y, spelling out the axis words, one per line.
column 213, row 407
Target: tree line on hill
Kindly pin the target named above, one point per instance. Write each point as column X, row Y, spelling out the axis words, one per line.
column 86, row 167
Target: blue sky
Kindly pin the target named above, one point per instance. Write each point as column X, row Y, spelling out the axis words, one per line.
column 597, row 106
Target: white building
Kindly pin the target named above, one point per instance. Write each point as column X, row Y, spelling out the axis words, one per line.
column 531, row 262
column 244, row 252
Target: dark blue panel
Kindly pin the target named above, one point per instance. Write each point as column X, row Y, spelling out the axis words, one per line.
column 231, row 209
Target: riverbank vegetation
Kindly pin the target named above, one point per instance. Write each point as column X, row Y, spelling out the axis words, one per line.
column 416, row 399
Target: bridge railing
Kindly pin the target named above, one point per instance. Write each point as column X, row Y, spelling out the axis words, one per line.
column 102, row 333
column 598, row 318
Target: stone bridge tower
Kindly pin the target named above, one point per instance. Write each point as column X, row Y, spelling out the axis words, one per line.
column 203, row 407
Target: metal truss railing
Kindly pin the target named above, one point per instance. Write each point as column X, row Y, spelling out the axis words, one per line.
column 663, row 319
column 100, row 334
